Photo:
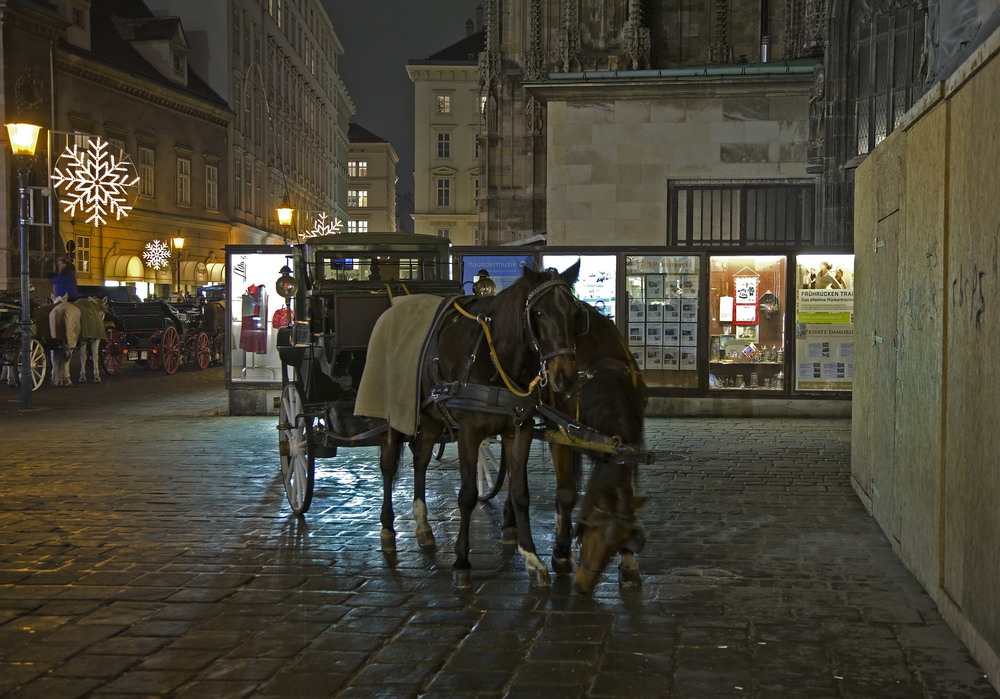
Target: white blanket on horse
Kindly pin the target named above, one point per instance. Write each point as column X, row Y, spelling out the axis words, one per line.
column 389, row 386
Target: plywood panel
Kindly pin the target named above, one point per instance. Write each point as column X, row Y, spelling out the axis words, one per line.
column 972, row 381
column 921, row 337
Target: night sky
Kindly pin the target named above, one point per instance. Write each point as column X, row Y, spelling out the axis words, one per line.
column 379, row 37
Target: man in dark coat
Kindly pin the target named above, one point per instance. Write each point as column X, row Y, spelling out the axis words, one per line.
column 64, row 281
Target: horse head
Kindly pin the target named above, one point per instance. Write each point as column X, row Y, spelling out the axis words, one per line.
column 60, row 299
column 554, row 318
column 607, row 524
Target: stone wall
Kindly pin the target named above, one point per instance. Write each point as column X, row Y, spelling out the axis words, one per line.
column 610, row 160
column 925, row 439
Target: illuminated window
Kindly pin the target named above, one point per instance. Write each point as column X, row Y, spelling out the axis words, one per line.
column 184, row 181
column 357, row 168
column 444, row 104
column 212, row 187
column 357, row 226
column 82, row 253
column 147, row 162
column 443, row 192
column 444, row 145
column 357, row 197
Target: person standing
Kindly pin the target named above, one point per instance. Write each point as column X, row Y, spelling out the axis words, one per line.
column 825, row 280
column 64, row 280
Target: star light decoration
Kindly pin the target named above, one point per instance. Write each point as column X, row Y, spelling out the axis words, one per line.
column 95, row 182
column 322, row 225
column 157, row 254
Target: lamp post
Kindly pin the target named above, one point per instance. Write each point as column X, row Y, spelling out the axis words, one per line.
column 23, row 139
column 286, row 215
column 178, row 243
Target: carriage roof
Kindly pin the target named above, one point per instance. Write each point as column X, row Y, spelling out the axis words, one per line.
column 375, row 242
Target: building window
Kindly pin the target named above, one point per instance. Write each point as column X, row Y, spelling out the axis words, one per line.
column 212, row 187
column 444, row 145
column 443, row 191
column 482, row 104
column 357, row 197
column 476, row 146
column 184, row 181
column 147, row 163
column 78, row 17
column 475, row 190
column 444, row 232
column 178, row 63
column 444, row 104
column 357, row 168
column 357, row 226
column 82, row 253
column 248, row 185
column 119, row 144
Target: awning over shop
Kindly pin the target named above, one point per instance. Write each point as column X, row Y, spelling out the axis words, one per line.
column 165, row 275
column 124, row 268
column 194, row 272
column 216, row 272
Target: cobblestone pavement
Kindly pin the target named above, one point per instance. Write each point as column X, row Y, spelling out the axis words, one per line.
column 147, row 550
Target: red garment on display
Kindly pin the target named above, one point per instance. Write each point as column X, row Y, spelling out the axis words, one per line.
column 282, row 317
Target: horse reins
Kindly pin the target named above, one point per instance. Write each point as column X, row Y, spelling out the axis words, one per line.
column 508, row 382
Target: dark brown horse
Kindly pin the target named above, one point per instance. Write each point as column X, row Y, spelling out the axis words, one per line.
column 610, row 401
column 482, row 375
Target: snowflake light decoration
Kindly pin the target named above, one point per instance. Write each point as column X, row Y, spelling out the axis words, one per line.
column 95, row 182
column 157, row 254
column 322, row 225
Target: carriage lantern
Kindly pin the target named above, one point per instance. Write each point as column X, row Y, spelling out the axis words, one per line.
column 484, row 284
column 286, row 286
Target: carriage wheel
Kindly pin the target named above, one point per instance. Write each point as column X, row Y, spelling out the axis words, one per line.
column 170, row 350
column 111, row 357
column 38, row 365
column 491, row 470
column 202, row 351
column 296, row 449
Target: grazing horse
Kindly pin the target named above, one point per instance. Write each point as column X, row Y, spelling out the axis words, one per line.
column 92, row 332
column 478, row 375
column 609, row 409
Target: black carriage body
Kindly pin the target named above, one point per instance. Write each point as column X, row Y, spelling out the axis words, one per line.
column 344, row 283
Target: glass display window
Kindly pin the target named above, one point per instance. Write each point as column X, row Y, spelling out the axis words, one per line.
column 256, row 312
column 746, row 326
column 597, row 280
column 663, row 317
column 504, row 270
column 824, row 323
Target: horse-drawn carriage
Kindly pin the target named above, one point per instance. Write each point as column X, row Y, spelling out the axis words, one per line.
column 159, row 335
column 374, row 355
column 10, row 347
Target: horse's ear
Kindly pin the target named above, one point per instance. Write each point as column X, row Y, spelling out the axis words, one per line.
column 571, row 274
column 529, row 274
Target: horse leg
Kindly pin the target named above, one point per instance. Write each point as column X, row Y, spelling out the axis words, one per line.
column 388, row 461
column 508, row 533
column 426, row 440
column 628, row 567
column 95, row 358
column 565, row 462
column 468, row 496
column 83, row 361
column 516, row 447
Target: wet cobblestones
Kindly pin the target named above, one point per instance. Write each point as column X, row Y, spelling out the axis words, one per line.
column 147, row 550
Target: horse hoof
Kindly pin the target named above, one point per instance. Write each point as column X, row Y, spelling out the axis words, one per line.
column 83, row 380
column 540, row 578
column 629, row 577
column 462, row 578
column 425, row 538
column 388, row 541
column 508, row 536
column 562, row 566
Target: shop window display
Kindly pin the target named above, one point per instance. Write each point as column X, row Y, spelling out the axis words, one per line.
column 824, row 323
column 596, row 283
column 663, row 316
column 747, row 323
column 256, row 313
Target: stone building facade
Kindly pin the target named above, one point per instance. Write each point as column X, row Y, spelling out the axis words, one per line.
column 371, row 183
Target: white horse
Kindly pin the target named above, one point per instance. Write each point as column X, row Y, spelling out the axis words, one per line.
column 64, row 328
column 92, row 312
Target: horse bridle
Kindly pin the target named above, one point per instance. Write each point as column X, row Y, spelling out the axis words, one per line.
column 532, row 299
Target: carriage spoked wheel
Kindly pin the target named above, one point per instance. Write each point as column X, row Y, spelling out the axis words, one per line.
column 38, row 364
column 170, row 350
column 202, row 351
column 491, row 470
column 111, row 357
column 296, row 449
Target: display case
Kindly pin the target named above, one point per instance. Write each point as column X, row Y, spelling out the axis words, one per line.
column 597, row 280
column 663, row 317
column 824, row 323
column 746, row 329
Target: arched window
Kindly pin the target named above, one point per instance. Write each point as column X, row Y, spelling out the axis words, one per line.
column 886, row 75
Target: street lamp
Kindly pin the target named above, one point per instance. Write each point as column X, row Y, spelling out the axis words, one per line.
column 23, row 140
column 285, row 216
column 178, row 243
